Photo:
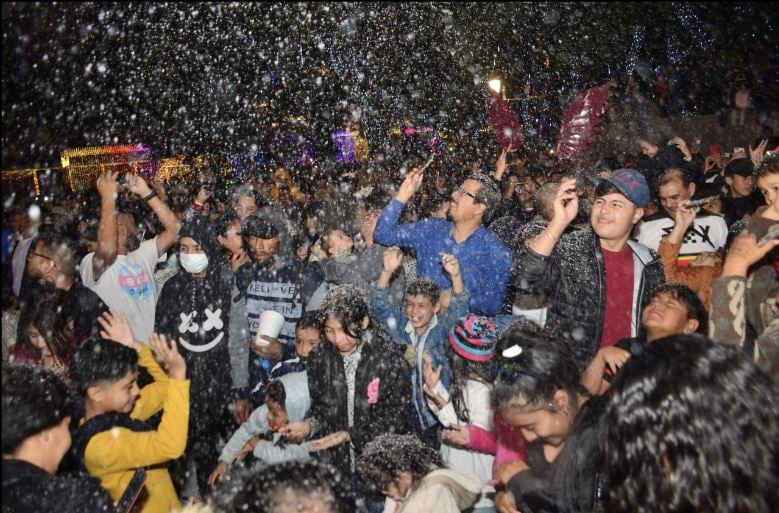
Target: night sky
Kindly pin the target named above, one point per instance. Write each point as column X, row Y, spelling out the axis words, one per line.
column 188, row 78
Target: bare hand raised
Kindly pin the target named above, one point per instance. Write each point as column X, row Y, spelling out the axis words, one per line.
column 410, row 185
column 115, row 327
column 169, row 353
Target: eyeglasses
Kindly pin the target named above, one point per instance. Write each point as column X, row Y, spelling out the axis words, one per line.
column 461, row 190
column 31, row 254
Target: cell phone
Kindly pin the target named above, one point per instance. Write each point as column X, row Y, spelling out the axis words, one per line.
column 132, row 492
column 121, row 178
column 738, row 150
column 726, row 155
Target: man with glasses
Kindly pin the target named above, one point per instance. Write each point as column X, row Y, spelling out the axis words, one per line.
column 52, row 261
column 484, row 260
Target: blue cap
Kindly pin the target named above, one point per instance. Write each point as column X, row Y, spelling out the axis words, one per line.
column 631, row 184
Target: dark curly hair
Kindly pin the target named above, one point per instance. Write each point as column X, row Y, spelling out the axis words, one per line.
column 272, row 488
column 424, row 287
column 384, row 458
column 693, row 427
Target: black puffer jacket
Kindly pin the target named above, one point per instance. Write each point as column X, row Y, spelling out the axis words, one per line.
column 574, row 280
column 381, row 398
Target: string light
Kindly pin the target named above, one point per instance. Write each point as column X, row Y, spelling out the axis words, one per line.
column 83, row 165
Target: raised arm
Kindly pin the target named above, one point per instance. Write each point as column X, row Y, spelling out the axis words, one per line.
column 107, row 231
column 388, row 232
column 166, row 216
column 566, row 206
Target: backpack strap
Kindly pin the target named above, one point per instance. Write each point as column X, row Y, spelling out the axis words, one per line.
column 98, row 424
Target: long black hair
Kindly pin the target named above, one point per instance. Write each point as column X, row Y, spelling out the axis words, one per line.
column 534, row 366
column 694, row 427
column 462, row 371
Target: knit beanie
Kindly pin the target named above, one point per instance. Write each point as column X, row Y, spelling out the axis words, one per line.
column 474, row 338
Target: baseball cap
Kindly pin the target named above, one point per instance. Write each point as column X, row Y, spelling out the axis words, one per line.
column 741, row 167
column 631, row 184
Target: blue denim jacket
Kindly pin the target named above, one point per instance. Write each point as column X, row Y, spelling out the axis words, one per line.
column 434, row 341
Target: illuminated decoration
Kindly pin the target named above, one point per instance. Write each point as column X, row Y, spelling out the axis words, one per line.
column 19, row 176
column 83, row 165
column 410, row 130
column 351, row 146
column 174, row 167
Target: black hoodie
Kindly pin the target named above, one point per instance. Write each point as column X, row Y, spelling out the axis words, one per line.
column 195, row 313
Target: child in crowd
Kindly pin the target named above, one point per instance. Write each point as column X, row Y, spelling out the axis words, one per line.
column 286, row 400
column 472, row 345
column 413, row 478
column 45, row 338
column 112, row 440
column 307, row 336
column 673, row 309
column 421, row 331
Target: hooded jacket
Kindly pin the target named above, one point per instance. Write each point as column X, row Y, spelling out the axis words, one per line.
column 443, row 491
column 574, row 279
column 195, row 313
column 381, row 398
column 275, row 450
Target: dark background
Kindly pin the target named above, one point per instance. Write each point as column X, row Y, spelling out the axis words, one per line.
column 190, row 78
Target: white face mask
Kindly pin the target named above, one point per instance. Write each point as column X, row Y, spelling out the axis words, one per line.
column 193, row 262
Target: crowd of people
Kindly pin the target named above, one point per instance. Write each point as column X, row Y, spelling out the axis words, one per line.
column 519, row 336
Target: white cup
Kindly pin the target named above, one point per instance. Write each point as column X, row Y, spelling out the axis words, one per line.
column 270, row 325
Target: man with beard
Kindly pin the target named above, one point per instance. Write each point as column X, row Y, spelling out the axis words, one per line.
column 52, row 261
column 121, row 270
column 270, row 285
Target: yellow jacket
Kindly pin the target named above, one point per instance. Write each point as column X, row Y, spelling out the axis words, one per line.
column 112, row 456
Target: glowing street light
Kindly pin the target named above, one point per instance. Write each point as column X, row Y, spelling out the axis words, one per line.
column 495, row 84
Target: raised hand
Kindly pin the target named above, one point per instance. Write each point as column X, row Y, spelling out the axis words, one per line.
column 169, row 354
column 743, row 252
column 137, row 185
column 758, row 152
column 685, row 215
column 431, row 377
column 500, row 165
column 451, row 265
column 566, row 202
column 410, row 185
column 115, row 327
column 107, row 185
column 393, row 258
column 679, row 143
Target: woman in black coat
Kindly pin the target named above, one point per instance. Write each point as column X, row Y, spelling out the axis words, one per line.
column 359, row 382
